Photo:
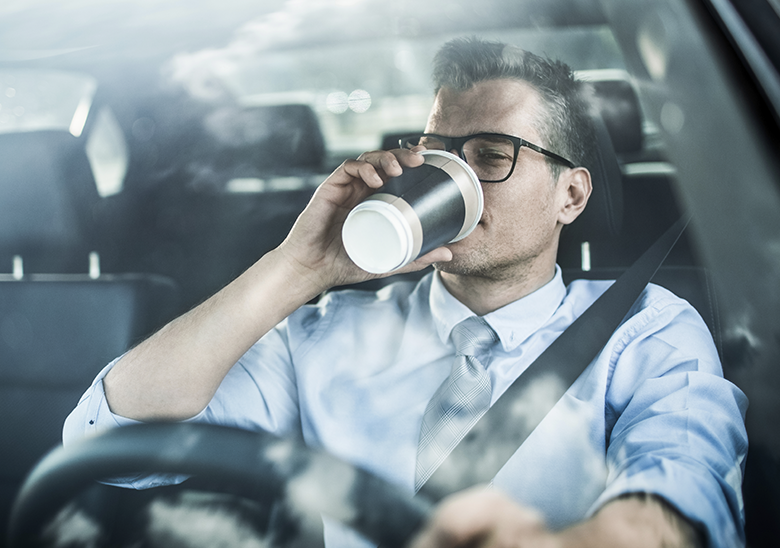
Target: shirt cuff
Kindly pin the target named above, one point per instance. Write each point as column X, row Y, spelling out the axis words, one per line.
column 92, row 416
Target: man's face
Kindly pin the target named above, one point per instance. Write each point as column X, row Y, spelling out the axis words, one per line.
column 518, row 232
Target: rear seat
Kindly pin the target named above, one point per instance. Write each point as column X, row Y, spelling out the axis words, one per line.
column 216, row 210
column 61, row 319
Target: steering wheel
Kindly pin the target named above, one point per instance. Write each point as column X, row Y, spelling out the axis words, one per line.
column 272, row 468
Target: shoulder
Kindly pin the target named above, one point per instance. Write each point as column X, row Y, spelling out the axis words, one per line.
column 398, row 294
column 347, row 317
column 354, row 306
column 656, row 313
column 661, row 305
column 666, row 333
column 653, row 300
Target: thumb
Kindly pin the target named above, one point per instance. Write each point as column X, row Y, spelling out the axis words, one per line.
column 438, row 255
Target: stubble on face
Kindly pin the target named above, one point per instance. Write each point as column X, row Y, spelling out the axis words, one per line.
column 501, row 259
column 516, row 240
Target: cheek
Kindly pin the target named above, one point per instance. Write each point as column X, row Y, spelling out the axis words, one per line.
column 511, row 209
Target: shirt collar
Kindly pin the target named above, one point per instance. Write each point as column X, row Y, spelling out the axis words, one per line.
column 513, row 323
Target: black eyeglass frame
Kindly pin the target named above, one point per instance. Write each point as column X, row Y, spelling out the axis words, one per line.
column 456, row 143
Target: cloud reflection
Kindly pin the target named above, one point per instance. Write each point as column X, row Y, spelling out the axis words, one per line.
column 195, row 522
column 72, row 527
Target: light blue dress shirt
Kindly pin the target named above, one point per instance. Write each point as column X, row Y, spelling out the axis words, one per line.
column 353, row 374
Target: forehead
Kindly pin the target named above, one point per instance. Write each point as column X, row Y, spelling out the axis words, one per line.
column 499, row 106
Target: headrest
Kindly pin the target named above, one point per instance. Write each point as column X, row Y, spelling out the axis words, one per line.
column 616, row 100
column 46, row 192
column 603, row 216
column 617, row 118
column 270, row 137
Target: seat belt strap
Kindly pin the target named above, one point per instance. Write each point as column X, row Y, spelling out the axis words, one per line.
column 504, row 427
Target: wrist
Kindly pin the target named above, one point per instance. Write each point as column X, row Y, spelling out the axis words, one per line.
column 297, row 281
column 632, row 521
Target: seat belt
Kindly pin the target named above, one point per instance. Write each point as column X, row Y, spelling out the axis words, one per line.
column 502, row 430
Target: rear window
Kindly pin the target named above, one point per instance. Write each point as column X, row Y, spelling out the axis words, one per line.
column 364, row 90
column 32, row 100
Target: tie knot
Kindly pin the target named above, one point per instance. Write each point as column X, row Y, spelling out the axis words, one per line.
column 472, row 335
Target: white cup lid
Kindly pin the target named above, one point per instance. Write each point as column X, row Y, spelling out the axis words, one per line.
column 377, row 237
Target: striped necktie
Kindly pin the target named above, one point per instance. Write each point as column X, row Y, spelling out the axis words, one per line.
column 459, row 402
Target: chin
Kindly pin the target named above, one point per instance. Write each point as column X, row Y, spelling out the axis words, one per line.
column 470, row 264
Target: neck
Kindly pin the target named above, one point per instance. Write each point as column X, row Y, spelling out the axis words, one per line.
column 483, row 294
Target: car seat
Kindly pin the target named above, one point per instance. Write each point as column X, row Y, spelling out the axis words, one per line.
column 230, row 197
column 632, row 204
column 60, row 324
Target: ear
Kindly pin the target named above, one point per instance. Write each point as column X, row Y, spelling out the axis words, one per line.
column 575, row 187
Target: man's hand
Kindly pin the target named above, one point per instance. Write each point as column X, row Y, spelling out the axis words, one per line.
column 314, row 248
column 481, row 517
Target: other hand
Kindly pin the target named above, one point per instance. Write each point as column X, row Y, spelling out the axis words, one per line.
column 481, row 517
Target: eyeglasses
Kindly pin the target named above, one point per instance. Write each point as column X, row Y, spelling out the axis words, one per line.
column 492, row 156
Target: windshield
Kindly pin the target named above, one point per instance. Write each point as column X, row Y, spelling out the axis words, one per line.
column 183, row 139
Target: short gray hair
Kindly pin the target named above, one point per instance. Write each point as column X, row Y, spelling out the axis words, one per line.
column 566, row 125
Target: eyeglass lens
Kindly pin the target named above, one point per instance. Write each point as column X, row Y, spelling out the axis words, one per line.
column 490, row 157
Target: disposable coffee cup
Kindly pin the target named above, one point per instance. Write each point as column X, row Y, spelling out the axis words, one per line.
column 424, row 208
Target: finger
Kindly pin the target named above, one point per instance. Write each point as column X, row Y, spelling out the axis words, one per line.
column 409, row 157
column 415, row 148
column 374, row 167
column 438, row 255
column 383, row 160
column 363, row 170
column 392, row 162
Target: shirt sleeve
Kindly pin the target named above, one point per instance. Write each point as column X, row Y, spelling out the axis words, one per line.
column 258, row 393
column 678, row 426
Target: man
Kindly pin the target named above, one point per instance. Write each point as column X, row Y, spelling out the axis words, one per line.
column 646, row 447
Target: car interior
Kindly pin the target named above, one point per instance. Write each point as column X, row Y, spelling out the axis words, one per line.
column 87, row 271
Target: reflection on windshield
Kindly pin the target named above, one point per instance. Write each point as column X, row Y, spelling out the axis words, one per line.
column 44, row 100
column 361, row 89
